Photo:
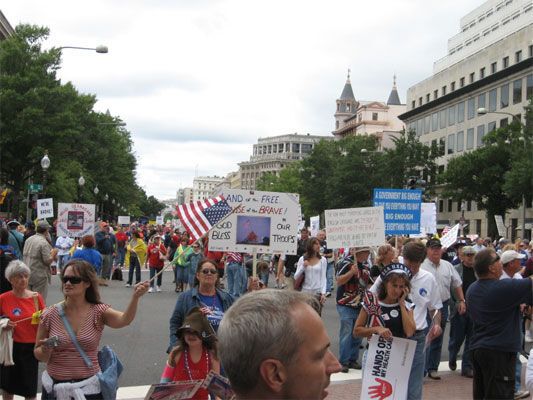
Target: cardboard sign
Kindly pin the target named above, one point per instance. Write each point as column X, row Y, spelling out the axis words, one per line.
column 387, row 368
column 75, row 220
column 45, row 208
column 159, row 220
column 428, row 220
column 264, row 221
column 123, row 220
column 502, row 230
column 401, row 208
column 315, row 225
column 355, row 227
column 451, row 236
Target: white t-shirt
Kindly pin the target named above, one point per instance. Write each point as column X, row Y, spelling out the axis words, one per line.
column 446, row 276
column 515, row 276
column 424, row 295
column 315, row 276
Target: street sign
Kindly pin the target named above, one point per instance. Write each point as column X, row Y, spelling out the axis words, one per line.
column 35, row 187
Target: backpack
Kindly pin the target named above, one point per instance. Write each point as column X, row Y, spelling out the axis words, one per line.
column 5, row 258
column 117, row 274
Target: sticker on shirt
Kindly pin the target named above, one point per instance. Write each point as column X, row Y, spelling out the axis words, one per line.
column 385, row 317
column 17, row 312
column 423, row 292
column 394, row 313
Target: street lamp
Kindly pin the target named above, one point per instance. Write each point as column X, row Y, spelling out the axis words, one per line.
column 81, row 182
column 96, row 190
column 484, row 111
column 99, row 49
column 45, row 164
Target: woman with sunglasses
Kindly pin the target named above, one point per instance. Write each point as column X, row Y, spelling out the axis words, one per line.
column 87, row 316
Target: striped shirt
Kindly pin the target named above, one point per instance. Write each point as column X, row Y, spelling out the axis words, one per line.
column 232, row 257
column 65, row 361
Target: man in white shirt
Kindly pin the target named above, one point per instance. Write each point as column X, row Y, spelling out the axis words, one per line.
column 479, row 244
column 63, row 245
column 511, row 266
column 426, row 298
column 447, row 279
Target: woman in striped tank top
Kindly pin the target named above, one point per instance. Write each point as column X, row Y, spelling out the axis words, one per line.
column 87, row 316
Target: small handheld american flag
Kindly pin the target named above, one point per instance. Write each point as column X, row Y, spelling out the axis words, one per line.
column 200, row 216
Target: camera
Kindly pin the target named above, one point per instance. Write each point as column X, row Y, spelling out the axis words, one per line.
column 52, row 341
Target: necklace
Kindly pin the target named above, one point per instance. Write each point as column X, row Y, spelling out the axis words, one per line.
column 188, row 369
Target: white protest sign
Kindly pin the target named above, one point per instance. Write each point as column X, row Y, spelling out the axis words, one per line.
column 266, row 222
column 123, row 220
column 75, row 220
column 428, row 220
column 451, row 236
column 387, row 368
column 45, row 208
column 502, row 231
column 315, row 225
column 159, row 220
column 354, row 227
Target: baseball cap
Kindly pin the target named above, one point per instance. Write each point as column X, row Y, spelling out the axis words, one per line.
column 469, row 250
column 361, row 249
column 433, row 243
column 13, row 222
column 510, row 255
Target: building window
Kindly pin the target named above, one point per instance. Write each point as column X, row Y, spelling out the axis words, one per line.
column 375, row 115
column 482, row 73
column 427, row 124
column 504, row 122
column 348, row 107
column 461, row 82
column 492, row 100
column 435, row 94
column 338, row 106
column 472, row 77
column 518, row 56
column 336, row 124
column 491, row 126
column 493, row 67
column 307, row 148
column 517, row 91
column 529, row 86
column 434, row 122
column 440, row 169
column 451, row 143
column 460, row 141
column 444, row 90
column 471, row 108
column 450, row 205
column 470, row 139
column 420, row 101
column 504, row 96
column 451, row 116
column 452, row 86
column 442, row 146
column 441, row 206
column 460, row 112
column 428, row 97
column 481, row 100
column 480, row 134
column 505, row 62
column 280, row 147
column 442, row 119
column 420, row 126
column 413, row 104
column 296, row 147
column 530, row 52
column 469, row 205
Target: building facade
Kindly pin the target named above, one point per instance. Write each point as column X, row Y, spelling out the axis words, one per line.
column 489, row 66
column 272, row 154
column 377, row 118
column 6, row 30
column 202, row 186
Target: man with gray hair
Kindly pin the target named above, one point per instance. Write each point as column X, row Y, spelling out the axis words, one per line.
column 273, row 345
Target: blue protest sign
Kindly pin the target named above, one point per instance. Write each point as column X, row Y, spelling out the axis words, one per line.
column 401, row 208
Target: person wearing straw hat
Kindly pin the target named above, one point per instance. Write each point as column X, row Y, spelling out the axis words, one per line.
column 195, row 354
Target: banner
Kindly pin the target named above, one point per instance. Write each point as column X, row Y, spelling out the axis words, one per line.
column 355, row 227
column 387, row 368
column 123, row 220
column 450, row 237
column 159, row 220
column 401, row 208
column 45, row 208
column 502, row 230
column 315, row 225
column 75, row 220
column 264, row 221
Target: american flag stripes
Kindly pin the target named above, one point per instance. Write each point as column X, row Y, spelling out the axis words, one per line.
column 200, row 216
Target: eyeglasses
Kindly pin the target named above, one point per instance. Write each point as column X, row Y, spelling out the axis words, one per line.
column 209, row 271
column 72, row 279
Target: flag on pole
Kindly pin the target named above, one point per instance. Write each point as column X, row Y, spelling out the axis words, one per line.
column 200, row 216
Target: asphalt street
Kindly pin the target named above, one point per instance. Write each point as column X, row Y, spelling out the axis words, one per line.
column 142, row 346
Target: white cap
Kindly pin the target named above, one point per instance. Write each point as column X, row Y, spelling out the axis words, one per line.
column 510, row 255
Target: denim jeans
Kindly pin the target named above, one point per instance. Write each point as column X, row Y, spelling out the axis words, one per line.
column 461, row 327
column 348, row 345
column 416, row 377
column 330, row 271
column 134, row 266
column 153, row 272
column 121, row 254
column 264, row 277
column 234, row 277
column 435, row 347
column 62, row 261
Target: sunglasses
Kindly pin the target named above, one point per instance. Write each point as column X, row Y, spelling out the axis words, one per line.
column 72, row 279
column 209, row 271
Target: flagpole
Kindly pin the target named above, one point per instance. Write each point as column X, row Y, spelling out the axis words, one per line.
column 210, row 229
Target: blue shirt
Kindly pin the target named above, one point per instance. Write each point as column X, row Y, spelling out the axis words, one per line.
column 92, row 256
column 215, row 313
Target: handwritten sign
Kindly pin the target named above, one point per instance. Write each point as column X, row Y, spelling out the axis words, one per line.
column 451, row 236
column 159, row 220
column 387, row 368
column 45, row 208
column 502, row 230
column 428, row 220
column 315, row 225
column 266, row 222
column 123, row 220
column 75, row 220
column 401, row 208
column 355, row 227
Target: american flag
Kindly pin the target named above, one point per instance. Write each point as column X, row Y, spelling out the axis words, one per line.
column 200, row 216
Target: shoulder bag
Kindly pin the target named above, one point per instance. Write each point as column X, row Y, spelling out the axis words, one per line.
column 110, row 365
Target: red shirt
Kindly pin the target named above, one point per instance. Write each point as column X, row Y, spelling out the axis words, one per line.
column 215, row 256
column 191, row 371
column 154, row 261
column 15, row 309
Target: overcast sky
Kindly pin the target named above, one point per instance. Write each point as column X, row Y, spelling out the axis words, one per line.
column 198, row 81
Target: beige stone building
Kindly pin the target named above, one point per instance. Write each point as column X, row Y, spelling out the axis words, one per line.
column 489, row 65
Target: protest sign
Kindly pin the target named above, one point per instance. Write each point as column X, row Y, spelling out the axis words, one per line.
column 45, row 208
column 315, row 225
column 264, row 221
column 159, row 220
column 401, row 209
column 428, row 220
column 450, row 237
column 173, row 390
column 123, row 220
column 502, row 230
column 353, row 227
column 387, row 368
column 75, row 220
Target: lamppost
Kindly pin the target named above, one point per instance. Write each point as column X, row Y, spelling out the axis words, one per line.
column 45, row 164
column 106, row 198
column 484, row 111
column 81, row 182
column 96, row 191
column 99, row 49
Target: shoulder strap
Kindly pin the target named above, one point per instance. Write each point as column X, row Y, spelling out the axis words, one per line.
column 73, row 336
